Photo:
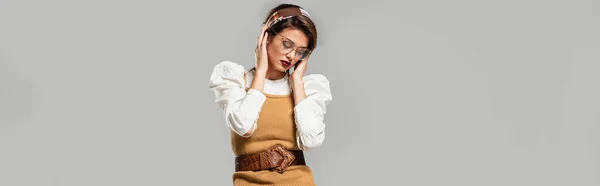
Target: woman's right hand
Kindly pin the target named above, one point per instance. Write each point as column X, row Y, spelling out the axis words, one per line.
column 262, row 62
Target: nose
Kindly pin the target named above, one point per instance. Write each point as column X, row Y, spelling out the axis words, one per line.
column 291, row 54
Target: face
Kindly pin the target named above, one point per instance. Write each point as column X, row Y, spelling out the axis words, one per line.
column 285, row 48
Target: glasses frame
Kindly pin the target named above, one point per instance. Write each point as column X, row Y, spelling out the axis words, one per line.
column 294, row 47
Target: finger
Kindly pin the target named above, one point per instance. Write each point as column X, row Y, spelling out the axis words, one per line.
column 263, row 30
column 266, row 24
column 260, row 37
column 259, row 40
column 259, row 46
column 300, row 66
column 264, row 41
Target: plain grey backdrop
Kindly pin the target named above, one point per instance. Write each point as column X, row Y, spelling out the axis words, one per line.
column 424, row 92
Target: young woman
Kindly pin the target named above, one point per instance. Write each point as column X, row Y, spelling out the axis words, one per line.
column 274, row 113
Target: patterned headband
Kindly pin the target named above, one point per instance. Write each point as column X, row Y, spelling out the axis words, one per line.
column 286, row 13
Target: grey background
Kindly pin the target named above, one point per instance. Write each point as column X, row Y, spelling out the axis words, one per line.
column 424, row 92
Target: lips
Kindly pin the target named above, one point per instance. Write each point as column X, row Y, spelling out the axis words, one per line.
column 285, row 63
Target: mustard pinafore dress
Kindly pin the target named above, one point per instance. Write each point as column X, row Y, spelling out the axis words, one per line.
column 275, row 125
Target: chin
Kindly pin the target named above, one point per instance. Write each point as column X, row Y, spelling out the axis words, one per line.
column 280, row 67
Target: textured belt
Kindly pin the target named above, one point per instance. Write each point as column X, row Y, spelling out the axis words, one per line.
column 277, row 158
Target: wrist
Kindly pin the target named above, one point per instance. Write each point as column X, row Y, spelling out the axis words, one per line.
column 260, row 73
column 296, row 77
column 296, row 82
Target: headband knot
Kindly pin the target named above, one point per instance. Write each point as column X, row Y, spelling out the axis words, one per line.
column 304, row 12
column 286, row 13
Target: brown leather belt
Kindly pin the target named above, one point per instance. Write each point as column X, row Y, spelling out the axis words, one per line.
column 277, row 158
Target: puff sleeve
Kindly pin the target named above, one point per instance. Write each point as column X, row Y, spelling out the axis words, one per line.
column 240, row 108
column 310, row 112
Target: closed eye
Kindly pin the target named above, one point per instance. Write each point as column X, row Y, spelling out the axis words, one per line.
column 287, row 44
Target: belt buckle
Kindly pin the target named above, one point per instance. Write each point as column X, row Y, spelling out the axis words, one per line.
column 287, row 156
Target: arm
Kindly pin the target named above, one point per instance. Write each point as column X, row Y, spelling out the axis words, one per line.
column 240, row 108
column 256, row 89
column 311, row 94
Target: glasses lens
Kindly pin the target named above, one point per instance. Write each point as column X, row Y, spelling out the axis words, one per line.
column 288, row 46
column 302, row 53
column 285, row 44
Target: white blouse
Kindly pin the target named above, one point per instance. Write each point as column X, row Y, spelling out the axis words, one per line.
column 241, row 109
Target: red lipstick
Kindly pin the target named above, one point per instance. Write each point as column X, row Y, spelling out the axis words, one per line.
column 285, row 63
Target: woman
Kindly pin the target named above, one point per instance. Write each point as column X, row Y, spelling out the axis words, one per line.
column 274, row 113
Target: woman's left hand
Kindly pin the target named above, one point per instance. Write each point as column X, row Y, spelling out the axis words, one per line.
column 297, row 83
column 300, row 69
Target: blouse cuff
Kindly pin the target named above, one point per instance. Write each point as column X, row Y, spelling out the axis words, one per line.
column 309, row 116
column 248, row 111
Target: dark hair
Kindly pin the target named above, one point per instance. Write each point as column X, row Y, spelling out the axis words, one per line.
column 302, row 23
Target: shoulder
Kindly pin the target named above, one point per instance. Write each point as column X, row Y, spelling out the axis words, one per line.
column 317, row 84
column 316, row 79
column 229, row 68
column 227, row 72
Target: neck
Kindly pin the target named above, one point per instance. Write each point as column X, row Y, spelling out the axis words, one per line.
column 273, row 74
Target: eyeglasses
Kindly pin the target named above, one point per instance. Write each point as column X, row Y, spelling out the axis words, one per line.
column 288, row 45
